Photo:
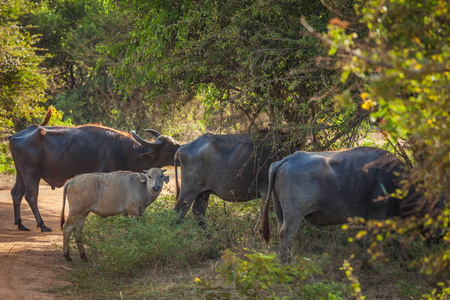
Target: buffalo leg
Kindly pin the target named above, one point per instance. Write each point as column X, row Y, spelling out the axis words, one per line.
column 31, row 195
column 278, row 209
column 184, row 202
column 366, row 263
column 287, row 232
column 17, row 194
column 31, row 181
column 402, row 256
column 199, row 208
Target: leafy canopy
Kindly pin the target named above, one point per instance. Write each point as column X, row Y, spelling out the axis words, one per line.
column 250, row 59
column 22, row 81
column 402, row 64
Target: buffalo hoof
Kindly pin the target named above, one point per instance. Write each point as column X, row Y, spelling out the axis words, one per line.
column 23, row 227
column 45, row 229
column 84, row 257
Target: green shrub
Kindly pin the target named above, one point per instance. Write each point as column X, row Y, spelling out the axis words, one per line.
column 326, row 289
column 410, row 289
column 232, row 224
column 125, row 245
column 6, row 161
column 255, row 276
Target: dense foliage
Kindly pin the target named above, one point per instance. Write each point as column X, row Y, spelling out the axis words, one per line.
column 22, row 80
column 403, row 66
column 126, row 246
column 319, row 71
column 248, row 63
column 250, row 59
column 70, row 34
column 158, row 257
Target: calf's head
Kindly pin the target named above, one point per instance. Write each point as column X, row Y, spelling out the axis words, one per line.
column 154, row 178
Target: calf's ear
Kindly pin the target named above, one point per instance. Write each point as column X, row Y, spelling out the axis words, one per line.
column 166, row 179
column 142, row 178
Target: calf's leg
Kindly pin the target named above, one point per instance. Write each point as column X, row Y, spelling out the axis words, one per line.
column 74, row 224
column 67, row 230
column 77, row 234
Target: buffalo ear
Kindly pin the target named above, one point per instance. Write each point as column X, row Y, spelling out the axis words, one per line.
column 142, row 178
column 146, row 154
column 166, row 179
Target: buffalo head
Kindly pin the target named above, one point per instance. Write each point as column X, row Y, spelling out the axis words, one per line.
column 160, row 151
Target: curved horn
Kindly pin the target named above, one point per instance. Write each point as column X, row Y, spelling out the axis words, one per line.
column 47, row 117
column 144, row 143
column 154, row 132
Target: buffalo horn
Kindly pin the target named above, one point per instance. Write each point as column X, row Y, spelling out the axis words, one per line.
column 154, row 132
column 144, row 143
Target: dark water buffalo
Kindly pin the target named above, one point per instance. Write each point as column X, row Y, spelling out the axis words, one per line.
column 233, row 167
column 107, row 194
column 56, row 154
column 327, row 188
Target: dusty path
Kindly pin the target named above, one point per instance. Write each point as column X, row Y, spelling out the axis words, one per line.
column 29, row 261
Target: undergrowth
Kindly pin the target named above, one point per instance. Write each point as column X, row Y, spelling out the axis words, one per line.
column 158, row 257
column 6, row 161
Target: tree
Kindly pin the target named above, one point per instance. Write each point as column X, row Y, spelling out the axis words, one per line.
column 251, row 58
column 70, row 32
column 22, row 81
column 402, row 64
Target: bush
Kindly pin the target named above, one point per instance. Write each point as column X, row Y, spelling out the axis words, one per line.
column 6, row 161
column 326, row 289
column 232, row 224
column 124, row 245
column 259, row 276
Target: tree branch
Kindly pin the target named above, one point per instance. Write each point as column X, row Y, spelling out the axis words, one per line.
column 346, row 49
column 411, row 72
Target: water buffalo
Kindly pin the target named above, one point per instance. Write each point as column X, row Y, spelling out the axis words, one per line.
column 327, row 188
column 107, row 194
column 233, row 167
column 56, row 154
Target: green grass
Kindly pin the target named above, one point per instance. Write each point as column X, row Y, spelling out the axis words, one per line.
column 156, row 257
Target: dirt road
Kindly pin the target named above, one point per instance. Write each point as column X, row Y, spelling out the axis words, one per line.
column 29, row 261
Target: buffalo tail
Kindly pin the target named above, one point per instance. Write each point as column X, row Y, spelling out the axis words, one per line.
column 265, row 221
column 64, row 205
column 47, row 118
column 177, row 163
